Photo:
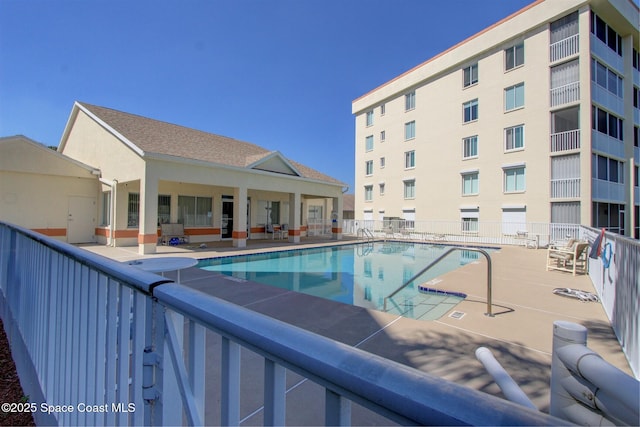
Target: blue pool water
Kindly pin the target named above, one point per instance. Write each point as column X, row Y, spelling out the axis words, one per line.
column 359, row 274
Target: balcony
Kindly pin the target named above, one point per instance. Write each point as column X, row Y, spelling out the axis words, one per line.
column 564, row 48
column 610, row 191
column 607, row 99
column 565, row 141
column 602, row 51
column 565, row 94
column 606, row 144
column 565, row 188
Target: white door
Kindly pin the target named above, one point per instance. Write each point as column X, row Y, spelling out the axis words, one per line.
column 81, row 221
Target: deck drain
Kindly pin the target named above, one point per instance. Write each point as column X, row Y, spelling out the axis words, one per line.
column 457, row 315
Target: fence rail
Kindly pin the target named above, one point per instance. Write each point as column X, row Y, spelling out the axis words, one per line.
column 132, row 346
column 565, row 94
column 528, row 234
column 564, row 48
column 563, row 141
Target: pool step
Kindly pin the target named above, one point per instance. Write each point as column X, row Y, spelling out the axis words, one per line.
column 429, row 304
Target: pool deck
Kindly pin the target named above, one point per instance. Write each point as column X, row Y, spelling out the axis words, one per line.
column 520, row 334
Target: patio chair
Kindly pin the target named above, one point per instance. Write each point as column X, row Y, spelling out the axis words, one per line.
column 270, row 229
column 284, row 230
column 572, row 259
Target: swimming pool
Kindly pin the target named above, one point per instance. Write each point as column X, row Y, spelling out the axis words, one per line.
column 356, row 274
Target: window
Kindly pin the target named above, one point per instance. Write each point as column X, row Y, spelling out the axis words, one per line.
column 606, row 123
column 383, row 136
column 409, row 130
column 514, row 138
column 636, row 60
column 369, row 118
column 369, row 167
column 368, row 193
column 269, row 212
column 607, row 169
column 514, row 56
column 609, row 216
column 470, row 111
column 194, row 211
column 368, row 143
column 565, row 212
column 470, row 147
column 410, row 189
column 383, row 109
column 470, row 183
column 469, row 225
column 606, row 78
column 381, row 185
column 106, row 208
column 164, row 209
column 410, row 101
column 133, row 210
column 514, row 97
column 409, row 159
column 636, row 97
column 606, row 34
column 563, row 28
column 470, row 75
column 514, row 179
column 382, row 162
column 636, row 136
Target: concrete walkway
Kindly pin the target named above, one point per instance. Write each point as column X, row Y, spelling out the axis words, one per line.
column 520, row 334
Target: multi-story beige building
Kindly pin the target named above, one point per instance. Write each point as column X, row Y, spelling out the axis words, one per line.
column 534, row 119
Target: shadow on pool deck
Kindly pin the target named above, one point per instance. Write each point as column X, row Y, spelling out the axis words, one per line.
column 520, row 334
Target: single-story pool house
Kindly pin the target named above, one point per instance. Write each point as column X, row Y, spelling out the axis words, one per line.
column 117, row 177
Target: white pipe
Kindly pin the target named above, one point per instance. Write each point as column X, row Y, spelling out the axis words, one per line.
column 112, row 222
column 508, row 386
column 612, row 387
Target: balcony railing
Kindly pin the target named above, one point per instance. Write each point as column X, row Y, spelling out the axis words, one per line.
column 564, row 48
column 565, row 94
column 564, row 141
column 136, row 349
column 565, row 188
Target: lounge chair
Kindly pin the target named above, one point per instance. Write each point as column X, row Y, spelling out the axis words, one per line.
column 572, row 259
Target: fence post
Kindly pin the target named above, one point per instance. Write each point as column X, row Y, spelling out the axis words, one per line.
column 564, row 333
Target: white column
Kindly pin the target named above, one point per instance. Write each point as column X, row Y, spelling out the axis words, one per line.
column 294, row 217
column 336, row 219
column 148, row 216
column 239, row 232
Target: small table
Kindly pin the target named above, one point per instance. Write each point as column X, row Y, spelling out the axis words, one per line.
column 163, row 264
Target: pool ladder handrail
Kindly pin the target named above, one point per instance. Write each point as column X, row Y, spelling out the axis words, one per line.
column 366, row 233
column 440, row 258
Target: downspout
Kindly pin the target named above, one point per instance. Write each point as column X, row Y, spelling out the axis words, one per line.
column 112, row 222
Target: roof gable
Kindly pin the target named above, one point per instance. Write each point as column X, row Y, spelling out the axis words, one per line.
column 21, row 154
column 150, row 137
column 274, row 162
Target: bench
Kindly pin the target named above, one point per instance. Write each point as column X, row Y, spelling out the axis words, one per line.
column 172, row 231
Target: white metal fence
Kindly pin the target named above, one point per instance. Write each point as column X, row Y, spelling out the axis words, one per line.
column 97, row 342
column 528, row 234
column 616, row 277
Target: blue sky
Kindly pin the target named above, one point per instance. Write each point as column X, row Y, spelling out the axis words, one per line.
column 281, row 74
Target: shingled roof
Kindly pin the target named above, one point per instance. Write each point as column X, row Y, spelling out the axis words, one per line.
column 158, row 137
